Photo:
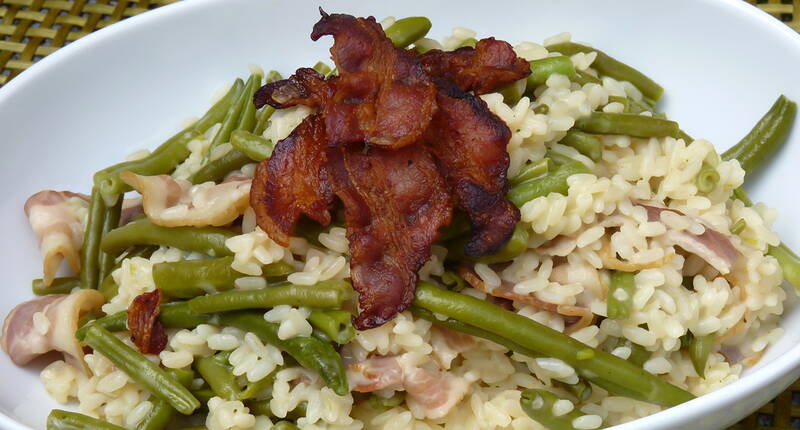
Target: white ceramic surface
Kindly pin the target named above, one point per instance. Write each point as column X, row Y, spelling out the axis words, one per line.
column 129, row 86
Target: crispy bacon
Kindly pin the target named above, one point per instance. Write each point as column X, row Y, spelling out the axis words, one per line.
column 469, row 142
column 147, row 331
column 305, row 87
column 293, row 182
column 395, row 202
column 491, row 64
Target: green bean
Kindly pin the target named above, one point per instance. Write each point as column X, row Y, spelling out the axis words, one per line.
column 739, row 226
column 219, row 375
column 215, row 170
column 531, row 171
column 157, row 381
column 624, row 101
column 542, row 109
column 538, row 404
column 261, row 407
column 545, row 67
column 766, row 136
column 192, row 278
column 582, row 390
column 322, row 68
column 207, row 240
column 620, row 295
column 385, row 403
column 310, row 352
column 470, row 41
column 452, row 281
column 114, row 323
column 91, row 240
column 699, row 349
column 235, row 110
column 108, row 287
column 65, row 420
column 606, row 65
column 406, row 31
column 173, row 315
column 263, row 116
column 324, row 294
column 558, row 159
column 583, row 78
column 627, row 124
column 58, row 286
column 515, row 246
column 789, row 262
column 204, row 395
column 335, row 324
column 638, row 354
column 514, row 91
column 105, row 261
column 161, row 413
column 585, row 143
column 254, row 147
column 707, row 179
column 169, row 154
column 546, row 341
column 247, row 120
column 553, row 182
column 284, row 425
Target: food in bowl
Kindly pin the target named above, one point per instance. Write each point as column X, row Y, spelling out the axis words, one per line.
column 455, row 235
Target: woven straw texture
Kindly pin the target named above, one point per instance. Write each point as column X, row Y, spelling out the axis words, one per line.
column 32, row 29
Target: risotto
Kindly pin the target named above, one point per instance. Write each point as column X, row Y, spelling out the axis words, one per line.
column 645, row 256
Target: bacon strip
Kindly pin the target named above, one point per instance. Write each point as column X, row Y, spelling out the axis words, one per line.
column 147, row 331
column 395, row 202
column 306, row 87
column 491, row 64
column 293, row 182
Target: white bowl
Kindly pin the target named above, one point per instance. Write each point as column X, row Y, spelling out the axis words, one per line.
column 130, row 86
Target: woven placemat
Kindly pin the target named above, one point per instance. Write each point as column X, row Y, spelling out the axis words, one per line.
column 32, row 29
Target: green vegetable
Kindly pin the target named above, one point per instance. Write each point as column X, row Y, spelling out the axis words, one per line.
column 386, row 403
column 516, row 245
column 789, row 262
column 766, row 137
column 58, row 286
column 105, row 261
column 608, row 66
column 531, row 171
column 234, row 112
column 162, row 413
column 284, row 425
column 335, row 324
column 215, row 170
column 620, row 295
column 64, row 420
column 514, row 91
column 699, row 349
column 624, row 101
column 583, row 78
column 739, row 226
column 470, row 41
column 310, row 352
column 324, row 294
column 582, row 390
column 707, row 179
column 627, row 378
column 542, row 109
column 638, row 354
column 247, row 120
column 263, row 116
column 627, row 124
column 91, row 241
column 538, row 404
column 322, row 68
column 208, row 240
column 554, row 182
column 169, row 154
column 108, row 288
column 452, row 281
column 216, row 371
column 254, row 147
column 543, row 68
column 157, row 381
column 406, row 31
column 585, row 143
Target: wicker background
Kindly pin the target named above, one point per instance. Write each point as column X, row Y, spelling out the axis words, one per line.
column 32, row 29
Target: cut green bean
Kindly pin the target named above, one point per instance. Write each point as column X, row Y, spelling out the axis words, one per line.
column 585, row 143
column 554, row 182
column 707, row 179
column 513, row 92
column 558, row 159
column 206, row 240
column 310, row 352
column 216, row 371
column 324, row 294
column 452, row 281
column 627, row 124
column 608, row 66
column 90, row 272
column 157, row 381
column 263, row 116
column 699, row 349
column 254, row 147
column 335, row 324
column 739, row 226
column 638, row 355
column 546, row 341
column 582, row 390
column 65, row 420
column 766, row 136
column 58, row 286
column 545, row 67
column 322, row 68
column 538, row 404
column 105, row 260
column 166, row 157
column 542, row 109
column 516, row 245
column 215, row 170
column 247, row 120
column 161, row 413
column 470, row 41
column 406, row 31
column 234, row 112
column 531, row 171
column 624, row 101
column 583, row 78
column 789, row 262
column 620, row 295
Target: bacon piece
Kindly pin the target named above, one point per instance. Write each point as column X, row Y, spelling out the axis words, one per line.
column 491, row 64
column 56, row 220
column 293, row 182
column 383, row 95
column 469, row 142
column 305, row 87
column 147, row 331
column 376, row 373
column 448, row 344
column 176, row 202
column 395, row 202
column 23, row 338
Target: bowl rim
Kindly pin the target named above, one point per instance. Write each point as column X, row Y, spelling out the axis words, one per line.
column 771, row 373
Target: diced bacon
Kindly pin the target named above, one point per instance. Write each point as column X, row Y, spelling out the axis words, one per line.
column 376, row 373
column 448, row 344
